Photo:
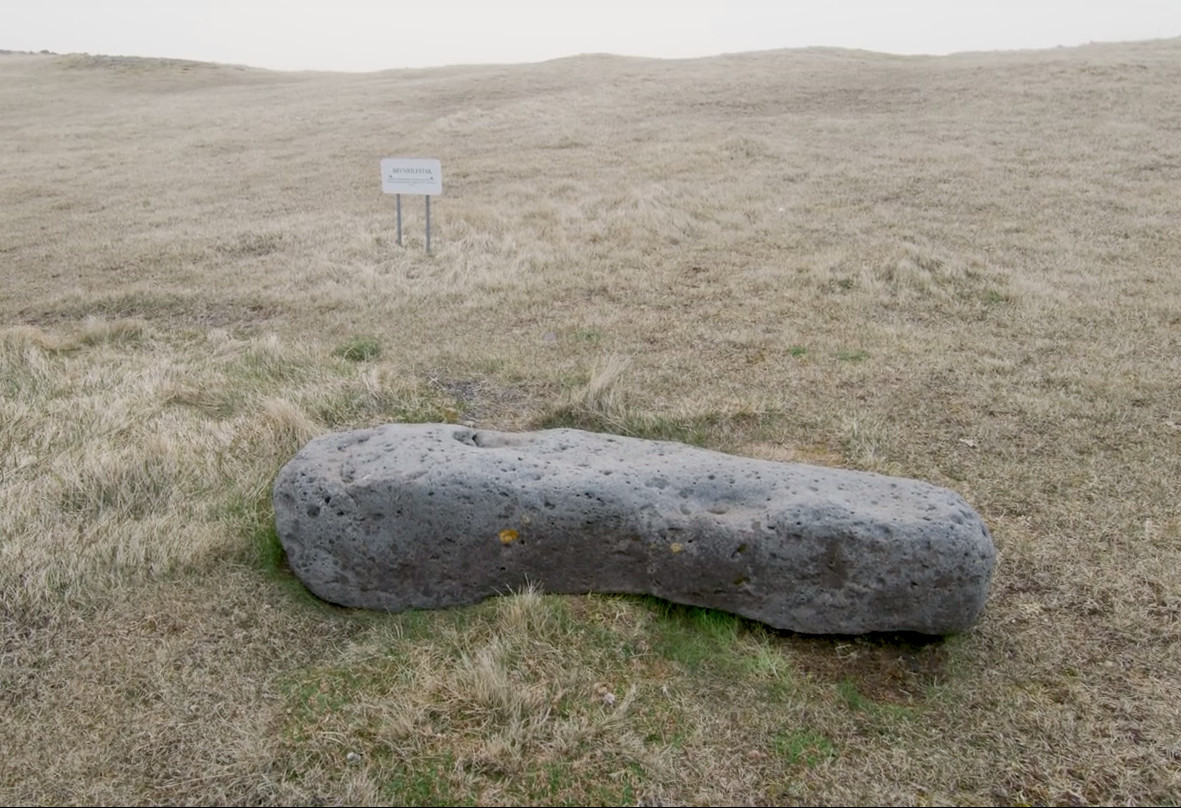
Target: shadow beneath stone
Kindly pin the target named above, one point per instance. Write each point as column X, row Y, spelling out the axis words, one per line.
column 895, row 668
column 884, row 667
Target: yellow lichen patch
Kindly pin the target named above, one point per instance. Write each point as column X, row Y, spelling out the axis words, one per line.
column 676, row 547
column 508, row 536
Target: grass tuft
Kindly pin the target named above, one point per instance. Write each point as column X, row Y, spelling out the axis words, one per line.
column 602, row 404
column 804, row 747
column 359, row 349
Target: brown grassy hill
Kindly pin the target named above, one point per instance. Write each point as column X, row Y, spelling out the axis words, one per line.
column 963, row 269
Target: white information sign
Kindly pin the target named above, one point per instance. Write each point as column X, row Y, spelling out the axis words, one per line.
column 411, row 176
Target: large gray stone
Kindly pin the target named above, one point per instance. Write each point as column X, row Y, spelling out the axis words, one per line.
column 432, row 515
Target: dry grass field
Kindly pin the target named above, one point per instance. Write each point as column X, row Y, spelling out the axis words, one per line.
column 964, row 269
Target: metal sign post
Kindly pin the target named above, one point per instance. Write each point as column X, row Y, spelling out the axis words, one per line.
column 412, row 176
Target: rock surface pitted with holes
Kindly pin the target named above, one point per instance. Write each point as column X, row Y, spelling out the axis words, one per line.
column 433, row 515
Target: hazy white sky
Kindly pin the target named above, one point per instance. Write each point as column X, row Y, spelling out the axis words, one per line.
column 356, row 35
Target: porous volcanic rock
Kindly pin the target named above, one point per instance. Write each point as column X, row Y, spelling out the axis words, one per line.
column 432, row 515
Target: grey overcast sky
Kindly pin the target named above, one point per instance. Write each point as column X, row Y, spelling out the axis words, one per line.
column 352, row 35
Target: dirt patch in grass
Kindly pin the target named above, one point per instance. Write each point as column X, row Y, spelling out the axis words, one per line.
column 885, row 669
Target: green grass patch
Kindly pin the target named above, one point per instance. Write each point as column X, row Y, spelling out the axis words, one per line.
column 359, row 349
column 256, row 523
column 995, row 297
column 425, row 782
column 253, row 520
column 694, row 637
column 803, row 746
column 588, row 335
column 849, row 693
